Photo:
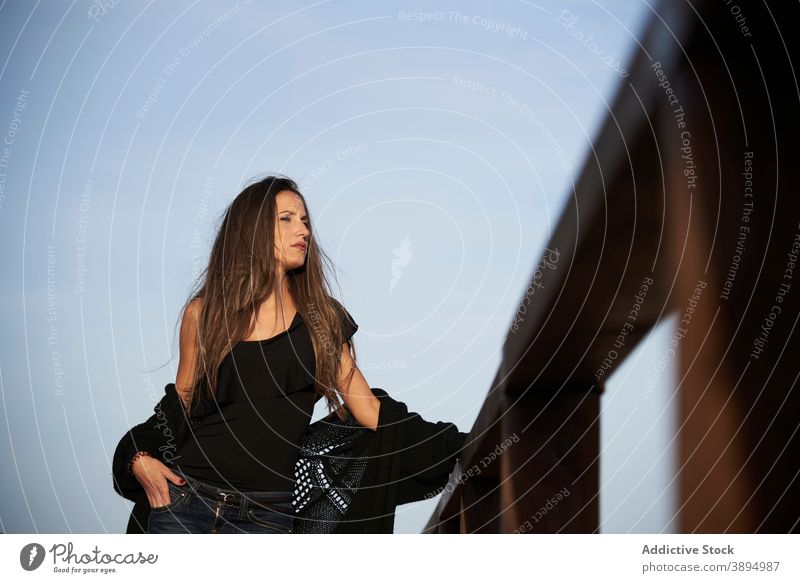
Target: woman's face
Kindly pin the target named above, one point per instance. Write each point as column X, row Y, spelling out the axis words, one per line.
column 291, row 231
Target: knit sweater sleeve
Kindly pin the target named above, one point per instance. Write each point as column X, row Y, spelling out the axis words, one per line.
column 429, row 455
column 410, row 460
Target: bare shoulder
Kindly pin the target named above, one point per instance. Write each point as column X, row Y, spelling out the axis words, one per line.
column 191, row 314
column 195, row 307
column 190, row 323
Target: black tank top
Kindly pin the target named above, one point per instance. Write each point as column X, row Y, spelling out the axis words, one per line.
column 249, row 437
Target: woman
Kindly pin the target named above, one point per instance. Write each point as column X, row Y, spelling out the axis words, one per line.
column 261, row 341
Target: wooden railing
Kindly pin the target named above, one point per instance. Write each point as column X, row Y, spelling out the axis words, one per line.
column 660, row 222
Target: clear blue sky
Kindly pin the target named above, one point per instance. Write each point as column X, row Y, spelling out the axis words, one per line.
column 435, row 144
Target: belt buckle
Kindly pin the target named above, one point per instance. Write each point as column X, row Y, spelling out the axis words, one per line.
column 225, row 496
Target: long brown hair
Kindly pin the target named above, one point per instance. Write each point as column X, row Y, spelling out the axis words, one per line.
column 242, row 273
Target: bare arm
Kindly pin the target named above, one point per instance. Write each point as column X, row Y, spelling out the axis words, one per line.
column 357, row 395
column 151, row 473
column 188, row 351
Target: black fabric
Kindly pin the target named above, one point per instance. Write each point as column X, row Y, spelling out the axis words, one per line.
column 408, row 459
column 248, row 437
column 349, row 479
column 329, row 472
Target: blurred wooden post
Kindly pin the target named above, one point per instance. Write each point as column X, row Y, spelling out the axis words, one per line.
column 730, row 238
column 550, row 477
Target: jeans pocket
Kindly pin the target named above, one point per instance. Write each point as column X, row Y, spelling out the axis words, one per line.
column 178, row 495
column 280, row 520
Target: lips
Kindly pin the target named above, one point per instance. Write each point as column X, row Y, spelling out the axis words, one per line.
column 300, row 246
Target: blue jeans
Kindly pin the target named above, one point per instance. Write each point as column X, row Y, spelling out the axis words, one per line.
column 200, row 508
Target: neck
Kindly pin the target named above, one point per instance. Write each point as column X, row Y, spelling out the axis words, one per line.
column 282, row 288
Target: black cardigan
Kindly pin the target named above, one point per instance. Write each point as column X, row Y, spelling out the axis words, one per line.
column 348, row 479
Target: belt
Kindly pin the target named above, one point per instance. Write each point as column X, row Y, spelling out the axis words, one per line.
column 234, row 498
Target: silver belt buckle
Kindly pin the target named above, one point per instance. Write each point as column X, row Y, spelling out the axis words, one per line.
column 225, row 496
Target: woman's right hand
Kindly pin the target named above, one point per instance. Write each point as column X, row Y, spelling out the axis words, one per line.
column 153, row 475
